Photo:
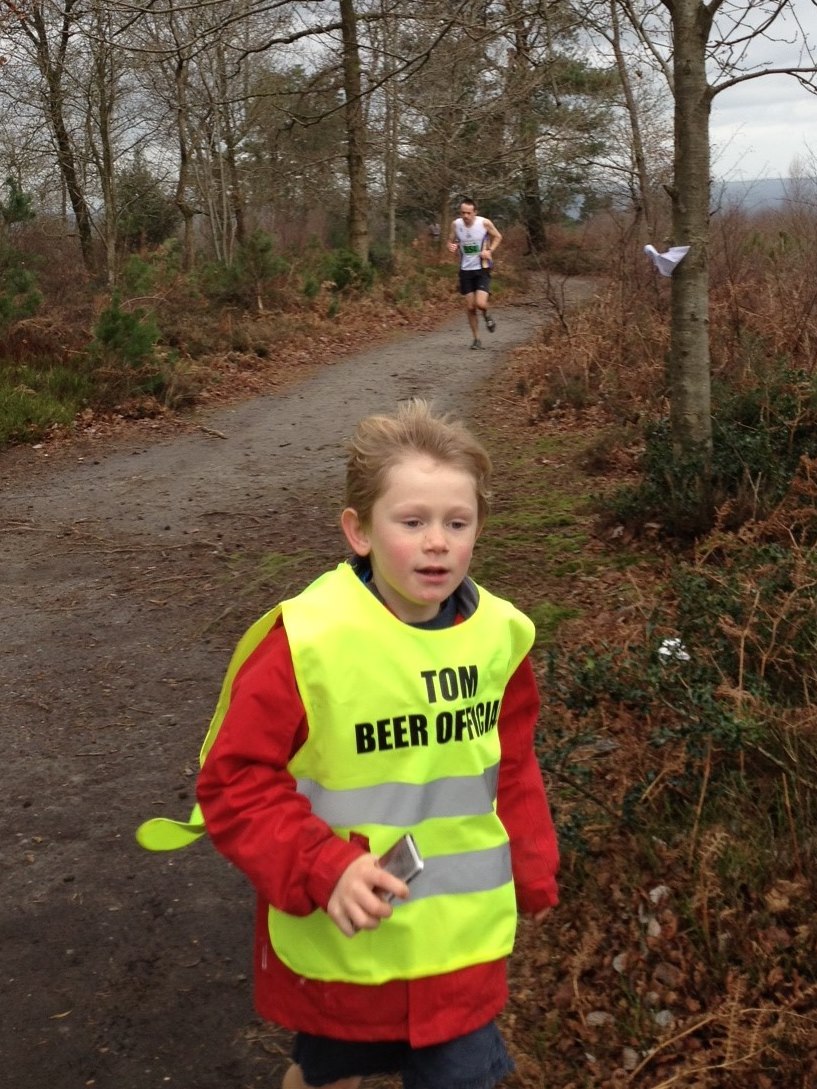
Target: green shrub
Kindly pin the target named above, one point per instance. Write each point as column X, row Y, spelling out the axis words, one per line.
column 17, row 207
column 760, row 435
column 126, row 337
column 751, row 607
column 312, row 287
column 19, row 295
column 138, row 277
column 147, row 215
column 673, row 491
column 677, row 701
column 123, row 354
column 347, row 271
column 222, row 283
column 246, row 281
column 148, row 273
column 257, row 263
column 383, row 261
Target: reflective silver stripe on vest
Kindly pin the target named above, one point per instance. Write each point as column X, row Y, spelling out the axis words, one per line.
column 402, row 805
column 471, row 871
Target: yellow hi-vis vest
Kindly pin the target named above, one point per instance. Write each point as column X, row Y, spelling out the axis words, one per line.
column 402, row 737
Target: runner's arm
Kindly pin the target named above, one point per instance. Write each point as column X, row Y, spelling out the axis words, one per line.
column 494, row 238
column 453, row 244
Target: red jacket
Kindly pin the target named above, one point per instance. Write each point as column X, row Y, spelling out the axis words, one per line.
column 258, row 820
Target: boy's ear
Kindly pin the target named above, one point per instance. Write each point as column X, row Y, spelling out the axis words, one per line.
column 354, row 532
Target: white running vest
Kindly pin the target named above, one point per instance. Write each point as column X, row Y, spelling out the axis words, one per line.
column 470, row 240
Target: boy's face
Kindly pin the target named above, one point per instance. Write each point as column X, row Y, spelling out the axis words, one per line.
column 421, row 536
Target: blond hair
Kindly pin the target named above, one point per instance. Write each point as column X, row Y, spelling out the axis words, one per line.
column 380, row 442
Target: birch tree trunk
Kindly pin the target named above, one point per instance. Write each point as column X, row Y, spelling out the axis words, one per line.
column 644, row 210
column 391, row 131
column 355, row 135
column 102, row 95
column 230, row 142
column 689, row 360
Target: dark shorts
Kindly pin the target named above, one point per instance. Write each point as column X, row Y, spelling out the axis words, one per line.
column 475, row 280
column 475, row 1061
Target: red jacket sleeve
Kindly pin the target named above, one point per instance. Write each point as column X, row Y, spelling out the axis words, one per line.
column 253, row 812
column 522, row 803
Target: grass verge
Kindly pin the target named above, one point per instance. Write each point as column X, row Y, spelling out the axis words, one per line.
column 37, row 397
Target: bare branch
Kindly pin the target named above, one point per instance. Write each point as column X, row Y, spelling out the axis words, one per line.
column 809, row 84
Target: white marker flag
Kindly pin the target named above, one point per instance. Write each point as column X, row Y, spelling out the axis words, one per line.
column 666, row 262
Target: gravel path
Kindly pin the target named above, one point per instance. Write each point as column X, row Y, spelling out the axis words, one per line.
column 120, row 604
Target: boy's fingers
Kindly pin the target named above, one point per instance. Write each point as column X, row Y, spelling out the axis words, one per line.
column 343, row 922
column 393, row 887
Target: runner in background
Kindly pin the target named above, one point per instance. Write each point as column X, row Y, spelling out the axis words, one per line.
column 476, row 239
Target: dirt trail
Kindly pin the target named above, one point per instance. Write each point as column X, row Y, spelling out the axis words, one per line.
column 123, row 591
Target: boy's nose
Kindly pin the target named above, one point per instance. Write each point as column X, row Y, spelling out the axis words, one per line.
column 435, row 539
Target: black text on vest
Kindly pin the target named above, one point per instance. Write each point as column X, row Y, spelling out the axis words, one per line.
column 450, row 683
column 405, row 731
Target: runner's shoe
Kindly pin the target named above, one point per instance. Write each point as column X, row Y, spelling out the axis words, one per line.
column 476, row 345
column 489, row 322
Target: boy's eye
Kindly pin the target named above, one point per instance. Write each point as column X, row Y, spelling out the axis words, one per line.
column 412, row 523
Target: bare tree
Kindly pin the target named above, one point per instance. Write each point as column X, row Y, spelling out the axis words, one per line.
column 51, row 33
column 355, row 134
column 250, row 105
column 521, row 67
column 385, row 44
column 631, row 73
column 704, row 50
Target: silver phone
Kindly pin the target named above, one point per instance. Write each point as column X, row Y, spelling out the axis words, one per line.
column 402, row 859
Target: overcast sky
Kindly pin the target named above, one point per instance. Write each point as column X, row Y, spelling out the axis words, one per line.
column 758, row 127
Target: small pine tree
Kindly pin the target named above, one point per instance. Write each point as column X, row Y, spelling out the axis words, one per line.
column 256, row 263
column 17, row 207
column 19, row 297
column 147, row 216
column 124, row 336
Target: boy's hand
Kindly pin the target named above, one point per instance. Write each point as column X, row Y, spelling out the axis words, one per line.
column 357, row 901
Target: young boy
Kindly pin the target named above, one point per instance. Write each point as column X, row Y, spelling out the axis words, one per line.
column 391, row 695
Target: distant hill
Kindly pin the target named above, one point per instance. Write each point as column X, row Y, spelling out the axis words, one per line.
column 752, row 196
column 762, row 194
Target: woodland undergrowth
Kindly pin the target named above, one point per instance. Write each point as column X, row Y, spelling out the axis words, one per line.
column 163, row 341
column 679, row 728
